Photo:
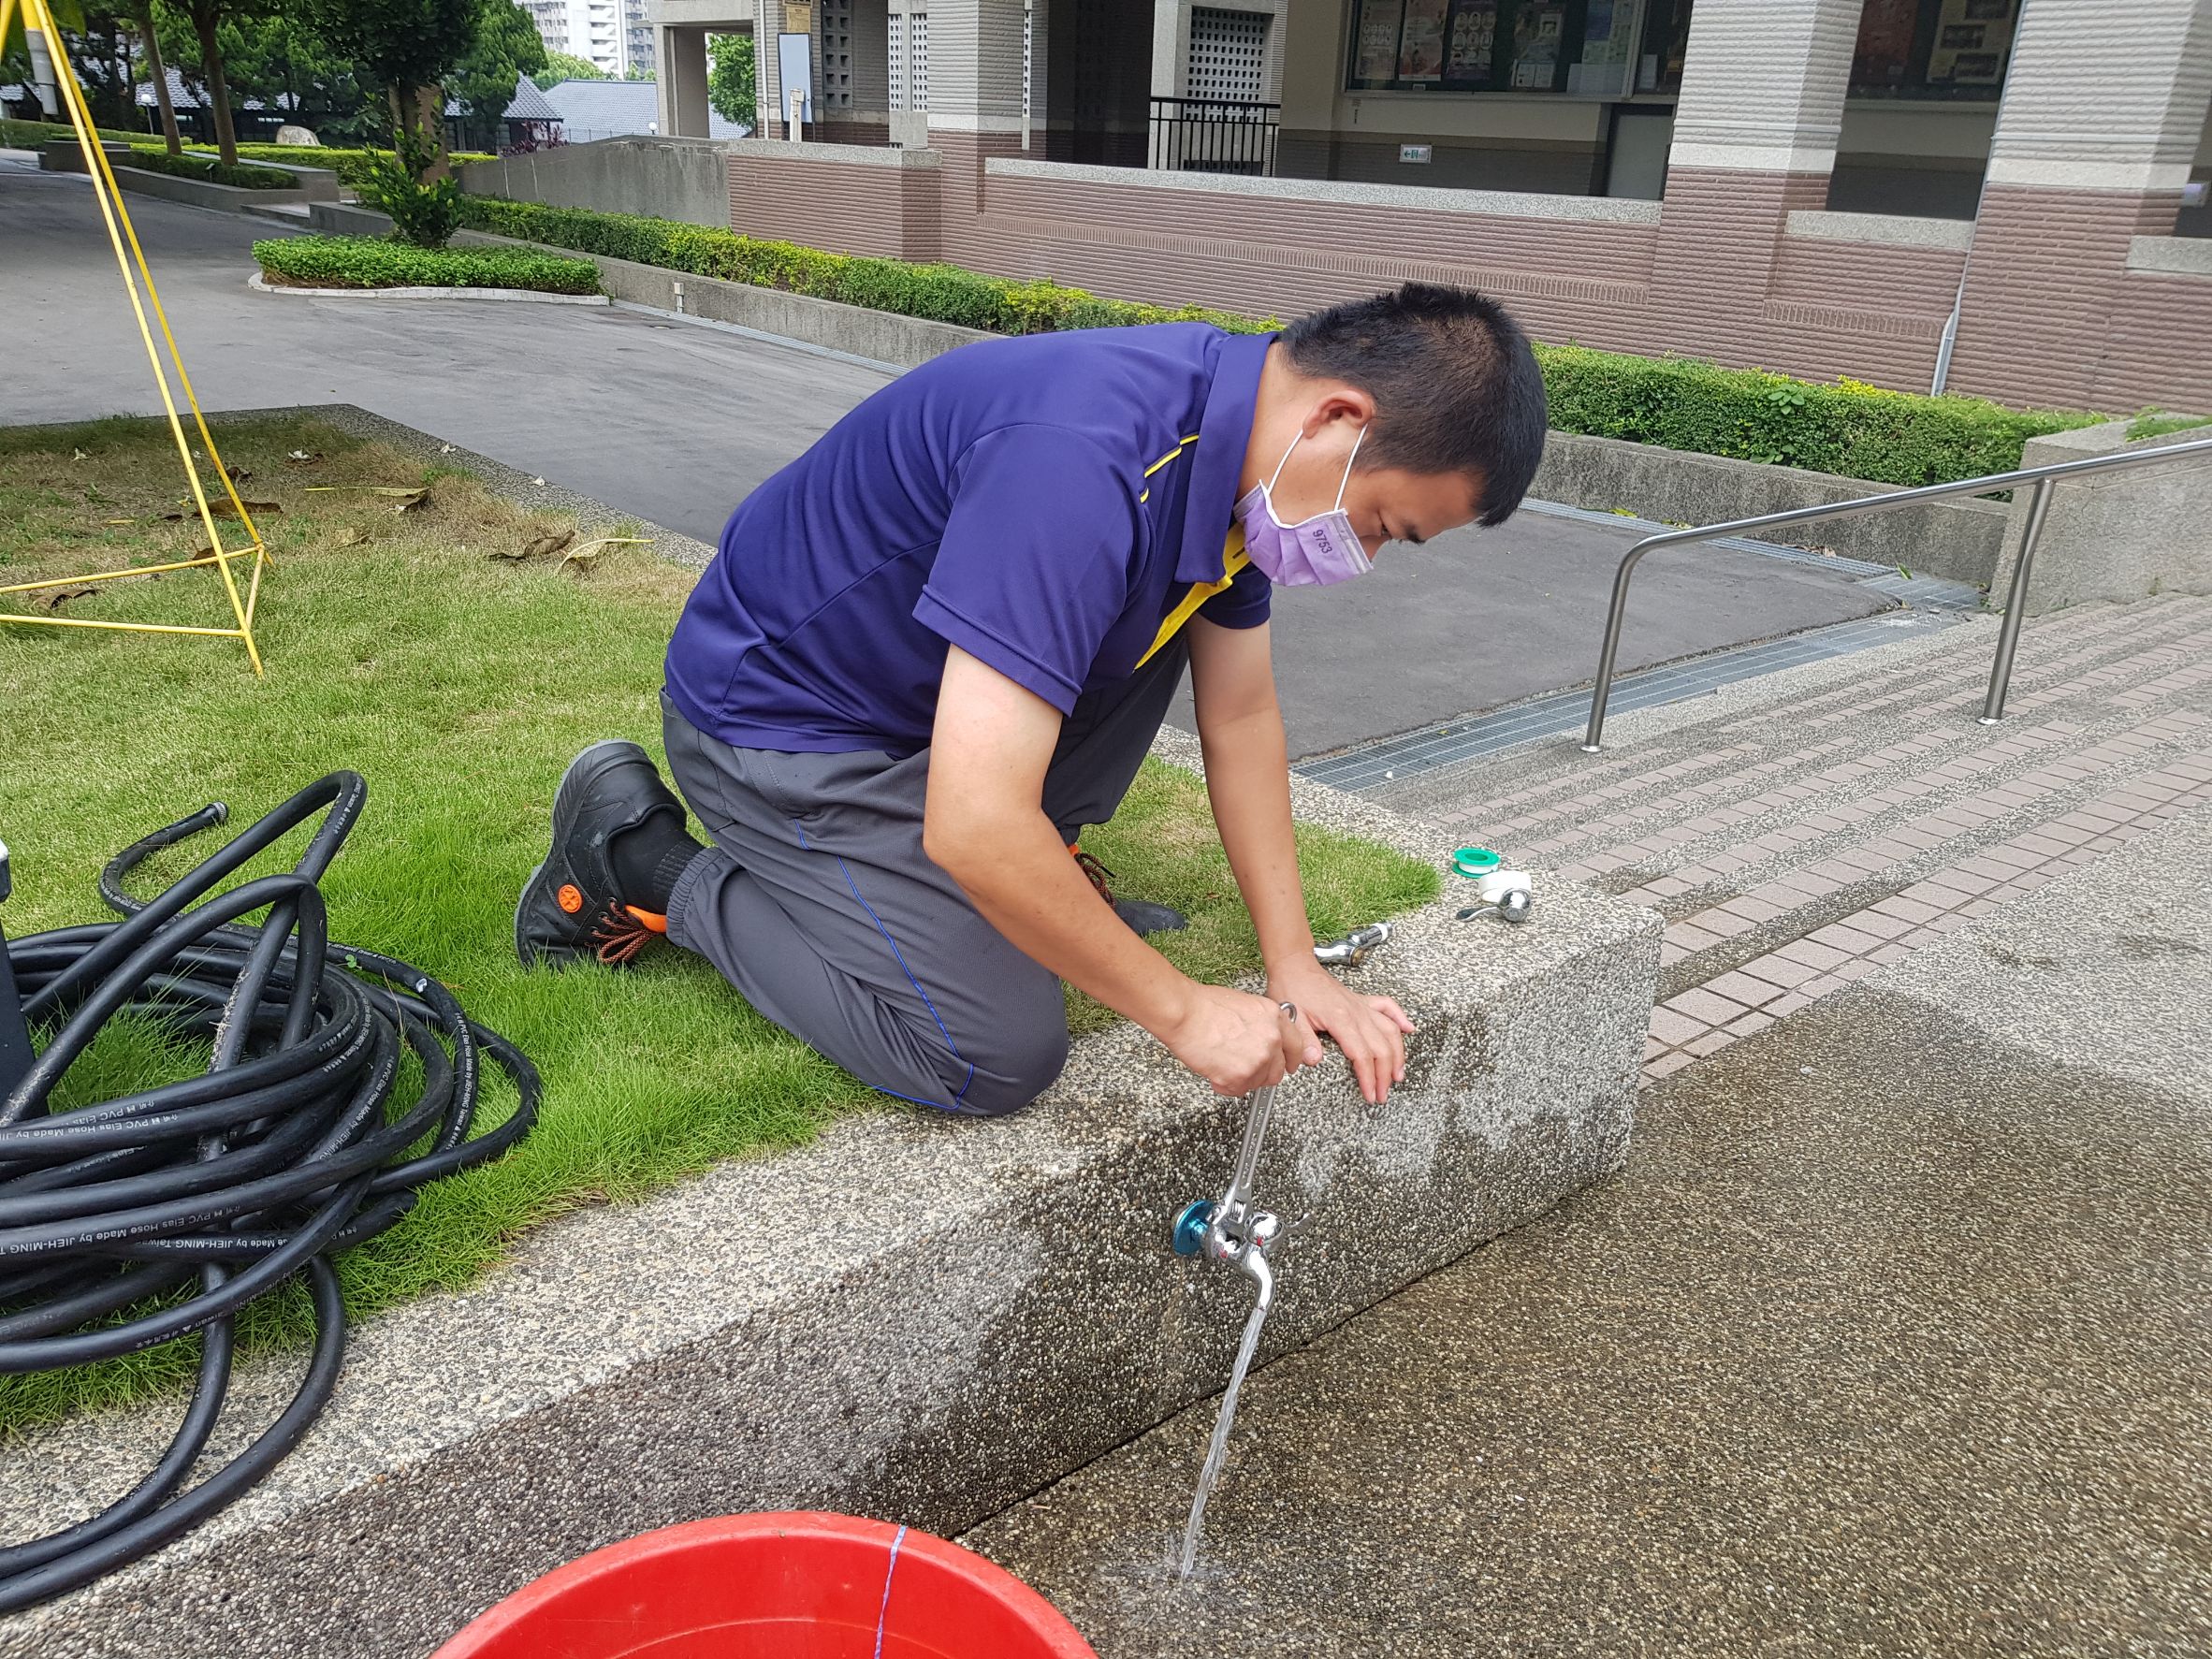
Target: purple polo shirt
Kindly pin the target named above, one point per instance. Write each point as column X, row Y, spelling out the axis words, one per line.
column 1041, row 502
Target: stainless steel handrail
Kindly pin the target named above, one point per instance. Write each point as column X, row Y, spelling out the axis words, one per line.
column 2000, row 671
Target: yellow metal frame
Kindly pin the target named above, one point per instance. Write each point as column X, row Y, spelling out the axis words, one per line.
column 36, row 15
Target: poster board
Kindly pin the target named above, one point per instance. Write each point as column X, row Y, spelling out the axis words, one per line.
column 794, row 72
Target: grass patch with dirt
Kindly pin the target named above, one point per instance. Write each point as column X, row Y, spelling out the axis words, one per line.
column 456, row 650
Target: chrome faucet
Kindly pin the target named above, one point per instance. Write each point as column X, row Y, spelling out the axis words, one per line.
column 1354, row 947
column 1237, row 1232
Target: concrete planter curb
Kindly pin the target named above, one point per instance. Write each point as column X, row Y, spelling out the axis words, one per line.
column 876, row 336
column 261, row 284
column 316, row 184
column 1957, row 539
column 913, row 1316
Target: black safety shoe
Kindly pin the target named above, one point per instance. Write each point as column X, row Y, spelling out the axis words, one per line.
column 1141, row 915
column 572, row 905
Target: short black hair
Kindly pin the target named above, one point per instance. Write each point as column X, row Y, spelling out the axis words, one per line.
column 1455, row 384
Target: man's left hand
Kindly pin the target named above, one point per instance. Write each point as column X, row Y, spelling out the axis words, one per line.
column 1370, row 1030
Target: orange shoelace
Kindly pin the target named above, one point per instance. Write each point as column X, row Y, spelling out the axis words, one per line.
column 1097, row 874
column 624, row 931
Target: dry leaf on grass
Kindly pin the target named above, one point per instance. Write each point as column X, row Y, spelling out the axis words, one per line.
column 586, row 552
column 224, row 510
column 303, row 458
column 76, row 455
column 543, row 546
column 405, row 497
column 235, row 473
column 352, row 538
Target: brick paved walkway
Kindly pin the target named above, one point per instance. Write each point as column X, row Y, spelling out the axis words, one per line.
column 1794, row 847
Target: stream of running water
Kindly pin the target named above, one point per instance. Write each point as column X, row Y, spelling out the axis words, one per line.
column 1217, row 1452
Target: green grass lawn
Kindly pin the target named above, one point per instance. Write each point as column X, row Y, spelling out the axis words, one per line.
column 403, row 645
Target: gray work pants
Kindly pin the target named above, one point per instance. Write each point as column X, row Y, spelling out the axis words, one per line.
column 818, row 903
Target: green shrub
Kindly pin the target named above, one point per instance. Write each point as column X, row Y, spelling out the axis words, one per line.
column 36, row 134
column 942, row 293
column 425, row 212
column 374, row 262
column 208, row 169
column 1860, row 431
column 2157, row 423
column 351, row 165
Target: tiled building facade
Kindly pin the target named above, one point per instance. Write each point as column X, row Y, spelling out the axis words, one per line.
column 1725, row 180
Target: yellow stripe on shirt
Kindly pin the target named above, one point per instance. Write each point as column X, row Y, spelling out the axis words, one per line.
column 1233, row 559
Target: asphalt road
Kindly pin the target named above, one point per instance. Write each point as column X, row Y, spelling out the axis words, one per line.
column 675, row 421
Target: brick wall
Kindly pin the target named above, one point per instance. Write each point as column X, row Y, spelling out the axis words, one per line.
column 892, row 211
column 1269, row 254
column 2053, row 315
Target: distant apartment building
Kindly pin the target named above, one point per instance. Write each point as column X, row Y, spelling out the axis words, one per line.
column 601, row 32
column 637, row 38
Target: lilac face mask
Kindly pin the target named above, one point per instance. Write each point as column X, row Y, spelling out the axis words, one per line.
column 1312, row 553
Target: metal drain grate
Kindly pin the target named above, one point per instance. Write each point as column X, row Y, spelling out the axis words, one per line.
column 1393, row 760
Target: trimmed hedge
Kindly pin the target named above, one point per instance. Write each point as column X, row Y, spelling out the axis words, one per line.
column 36, row 135
column 1850, row 427
column 942, row 293
column 208, row 169
column 372, row 262
column 349, row 164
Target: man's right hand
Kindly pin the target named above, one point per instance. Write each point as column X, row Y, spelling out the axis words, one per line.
column 1238, row 1041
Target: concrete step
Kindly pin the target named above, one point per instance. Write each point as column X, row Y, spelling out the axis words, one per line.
column 1889, row 1340
column 1814, row 831
column 909, row 1317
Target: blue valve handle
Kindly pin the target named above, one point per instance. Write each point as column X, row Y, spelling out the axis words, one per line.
column 1190, row 1235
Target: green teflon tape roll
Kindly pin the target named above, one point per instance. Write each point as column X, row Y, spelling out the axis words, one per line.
column 1475, row 860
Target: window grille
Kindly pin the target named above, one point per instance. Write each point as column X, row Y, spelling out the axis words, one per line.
column 896, row 60
column 1228, row 53
column 836, row 55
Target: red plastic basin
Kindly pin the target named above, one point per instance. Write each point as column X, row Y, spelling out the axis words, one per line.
column 790, row 1585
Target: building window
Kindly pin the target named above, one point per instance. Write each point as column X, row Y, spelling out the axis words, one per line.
column 1933, row 49
column 836, row 55
column 1228, row 56
column 1590, row 48
column 908, row 61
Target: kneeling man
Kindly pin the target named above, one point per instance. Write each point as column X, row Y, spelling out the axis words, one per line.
column 935, row 648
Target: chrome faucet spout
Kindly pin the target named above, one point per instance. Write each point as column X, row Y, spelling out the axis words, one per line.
column 1355, row 946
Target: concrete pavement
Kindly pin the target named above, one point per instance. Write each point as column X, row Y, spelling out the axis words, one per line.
column 676, row 421
column 1890, row 1341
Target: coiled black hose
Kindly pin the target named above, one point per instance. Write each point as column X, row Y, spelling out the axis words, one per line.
column 286, row 1148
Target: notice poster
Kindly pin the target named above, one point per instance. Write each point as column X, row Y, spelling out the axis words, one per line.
column 1974, row 38
column 1536, row 36
column 1471, row 46
column 1375, row 56
column 1421, row 49
column 1885, row 49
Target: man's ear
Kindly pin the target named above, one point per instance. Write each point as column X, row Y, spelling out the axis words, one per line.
column 1340, row 401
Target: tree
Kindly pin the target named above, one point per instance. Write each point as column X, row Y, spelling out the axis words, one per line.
column 99, row 47
column 730, row 77
column 639, row 72
column 409, row 48
column 206, row 18
column 507, row 48
column 561, row 66
column 143, row 15
column 278, row 60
